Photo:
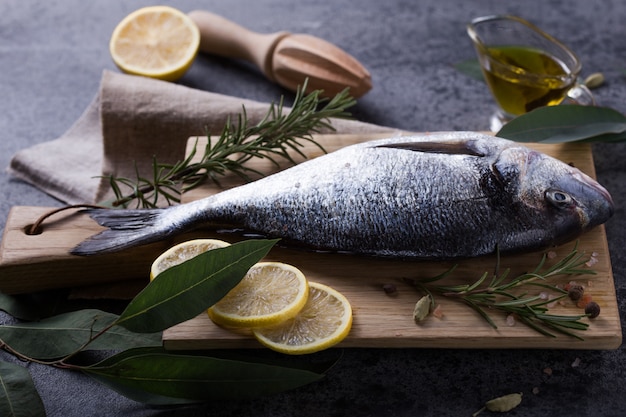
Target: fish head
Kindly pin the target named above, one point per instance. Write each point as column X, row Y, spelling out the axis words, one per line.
column 565, row 201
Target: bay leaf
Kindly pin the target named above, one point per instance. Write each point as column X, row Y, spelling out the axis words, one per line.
column 566, row 123
column 61, row 335
column 471, row 68
column 17, row 308
column 32, row 306
column 505, row 403
column 186, row 290
column 160, row 377
column 18, row 395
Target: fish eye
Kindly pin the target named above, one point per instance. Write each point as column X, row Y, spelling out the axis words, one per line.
column 559, row 198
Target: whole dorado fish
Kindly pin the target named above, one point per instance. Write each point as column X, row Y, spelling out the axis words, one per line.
column 439, row 196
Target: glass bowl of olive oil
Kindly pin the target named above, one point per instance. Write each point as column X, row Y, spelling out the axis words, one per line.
column 524, row 67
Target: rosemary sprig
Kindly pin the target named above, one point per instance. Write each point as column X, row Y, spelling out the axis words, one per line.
column 278, row 133
column 499, row 295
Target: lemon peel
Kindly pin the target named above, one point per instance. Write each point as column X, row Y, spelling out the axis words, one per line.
column 156, row 41
column 324, row 321
column 181, row 252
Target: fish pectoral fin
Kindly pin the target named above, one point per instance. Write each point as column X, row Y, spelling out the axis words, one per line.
column 461, row 147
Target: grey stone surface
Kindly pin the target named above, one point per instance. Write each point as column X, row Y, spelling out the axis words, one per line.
column 52, row 54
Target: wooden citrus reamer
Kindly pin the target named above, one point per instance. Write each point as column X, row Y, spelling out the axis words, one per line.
column 285, row 58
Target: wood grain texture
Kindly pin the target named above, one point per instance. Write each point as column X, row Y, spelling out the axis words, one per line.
column 30, row 263
column 382, row 320
column 39, row 262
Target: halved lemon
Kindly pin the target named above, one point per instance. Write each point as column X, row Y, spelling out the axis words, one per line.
column 324, row 321
column 157, row 41
column 270, row 293
column 183, row 251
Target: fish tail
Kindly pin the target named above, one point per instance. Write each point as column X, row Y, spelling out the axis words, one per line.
column 126, row 228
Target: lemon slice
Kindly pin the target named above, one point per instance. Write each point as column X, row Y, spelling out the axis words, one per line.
column 157, row 41
column 325, row 320
column 182, row 252
column 270, row 293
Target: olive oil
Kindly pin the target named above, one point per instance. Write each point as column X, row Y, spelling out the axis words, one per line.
column 522, row 78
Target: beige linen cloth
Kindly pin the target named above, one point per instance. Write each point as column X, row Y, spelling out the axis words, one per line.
column 131, row 120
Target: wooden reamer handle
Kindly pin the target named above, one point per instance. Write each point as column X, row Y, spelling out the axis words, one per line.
column 220, row 36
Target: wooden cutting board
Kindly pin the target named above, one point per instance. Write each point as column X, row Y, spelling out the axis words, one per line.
column 37, row 262
column 386, row 321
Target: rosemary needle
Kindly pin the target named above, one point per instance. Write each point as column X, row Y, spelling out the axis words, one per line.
column 499, row 295
column 276, row 136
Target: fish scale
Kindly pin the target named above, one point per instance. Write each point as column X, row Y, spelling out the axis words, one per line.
column 438, row 196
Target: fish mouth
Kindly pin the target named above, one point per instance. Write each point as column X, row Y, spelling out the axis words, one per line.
column 595, row 199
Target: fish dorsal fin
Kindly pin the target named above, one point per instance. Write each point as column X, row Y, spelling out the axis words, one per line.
column 462, row 147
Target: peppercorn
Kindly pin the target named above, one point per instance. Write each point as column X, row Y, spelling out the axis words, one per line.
column 592, row 310
column 389, row 289
column 584, row 300
column 576, row 292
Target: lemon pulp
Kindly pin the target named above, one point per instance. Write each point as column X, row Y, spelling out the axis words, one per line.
column 270, row 293
column 324, row 321
column 157, row 41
